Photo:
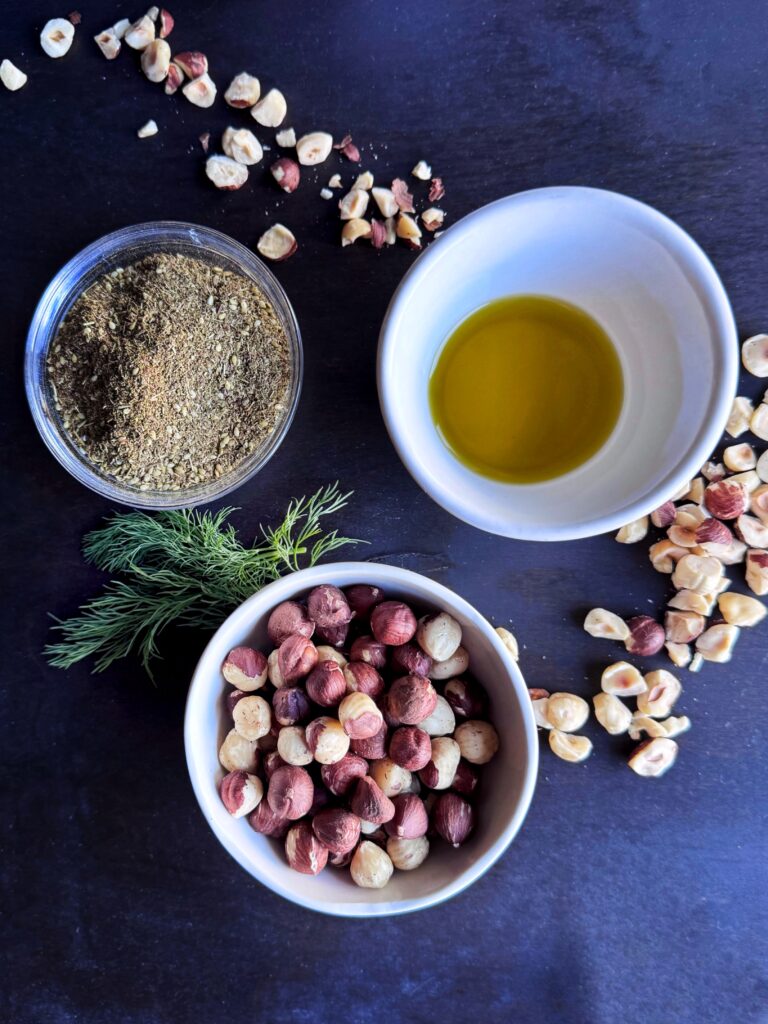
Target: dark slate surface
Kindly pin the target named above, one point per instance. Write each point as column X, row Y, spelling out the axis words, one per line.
column 621, row 898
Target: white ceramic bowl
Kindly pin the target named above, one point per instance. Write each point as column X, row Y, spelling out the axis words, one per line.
column 508, row 781
column 651, row 288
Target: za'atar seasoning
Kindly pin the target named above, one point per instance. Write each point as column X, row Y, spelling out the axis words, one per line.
column 167, row 373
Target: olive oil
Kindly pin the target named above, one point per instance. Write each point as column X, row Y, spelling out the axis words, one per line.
column 526, row 388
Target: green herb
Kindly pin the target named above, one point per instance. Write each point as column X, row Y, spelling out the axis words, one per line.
column 186, row 568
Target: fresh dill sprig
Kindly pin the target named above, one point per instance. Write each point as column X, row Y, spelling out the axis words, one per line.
column 187, row 568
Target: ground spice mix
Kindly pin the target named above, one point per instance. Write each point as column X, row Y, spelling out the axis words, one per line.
column 169, row 372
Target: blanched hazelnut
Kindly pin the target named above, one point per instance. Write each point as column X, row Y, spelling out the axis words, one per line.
column 278, row 243
column 740, row 457
column 273, row 670
column 653, row 757
column 371, row 651
column 371, row 867
column 661, row 695
column 327, row 740
column 439, row 635
column 106, row 41
column 605, row 624
column 290, row 705
column 696, row 490
column 362, row 599
column 243, row 91
column 466, row 778
column 290, row 792
column 155, row 60
column 327, row 653
column 565, row 712
column 242, row 145
column 697, row 572
column 633, row 532
column 442, row 721
column 359, row 716
column 238, row 753
column 411, row 699
column 292, row 745
column 757, row 572
column 692, row 601
column 338, row 830
column 614, row 716
column 478, row 741
column 296, row 657
column 451, row 667
column 670, row 727
column 391, row 778
column 679, row 654
column 622, row 679
column 410, row 659
column 288, row 619
column 386, row 202
column 252, row 717
column 681, row 627
column 326, row 684
column 410, row 747
column 750, row 480
column 393, row 623
column 453, row 818
column 738, row 420
column 726, row 499
column 646, row 636
column 354, row 204
column 304, row 851
column 340, row 776
column 741, row 610
column 201, row 92
column 731, row 553
column 408, row 229
column 370, row 803
column 569, row 747
column 539, row 706
column 265, row 821
column 762, row 467
column 752, row 531
column 361, row 677
column 314, row 148
column 225, row 173
column 664, row 515
column 371, row 747
column 241, row 793
column 407, row 854
column 717, row 642
column 438, row 773
column 270, row 111
column 664, row 555
column 245, row 668
column 754, row 355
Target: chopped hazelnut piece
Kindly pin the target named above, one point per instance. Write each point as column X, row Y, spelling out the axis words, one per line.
column 738, row 421
column 741, row 610
column 740, row 457
column 241, row 145
column 286, row 138
column 354, row 204
column 277, row 243
column 314, row 148
column 622, row 680
column 758, row 423
column 757, row 572
column 754, row 355
column 717, row 642
column 661, row 695
column 226, row 173
column 201, row 91
column 408, row 230
column 670, row 727
column 653, row 757
column 11, row 77
column 385, row 200
column 679, row 654
column 614, row 716
column 605, row 624
column 271, row 110
column 422, row 171
column 57, row 35
column 633, row 532
column 569, row 747
column 665, row 555
column 243, row 91
column 697, row 572
column 140, row 34
column 147, row 130
column 433, row 218
column 354, row 229
column 364, row 181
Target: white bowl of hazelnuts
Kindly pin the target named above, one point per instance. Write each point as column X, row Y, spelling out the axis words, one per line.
column 361, row 740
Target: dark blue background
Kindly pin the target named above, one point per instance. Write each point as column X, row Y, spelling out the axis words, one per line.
column 622, row 899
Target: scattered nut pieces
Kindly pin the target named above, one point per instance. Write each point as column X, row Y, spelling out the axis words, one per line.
column 606, row 625
column 243, row 91
column 754, row 355
column 147, row 130
column 277, row 243
column 271, row 110
column 634, row 531
column 224, row 172
column 569, row 747
column 741, row 413
column 334, row 181
column 614, row 716
column 201, row 91
column 241, row 145
column 140, row 34
column 11, row 77
column 653, row 757
column 57, row 35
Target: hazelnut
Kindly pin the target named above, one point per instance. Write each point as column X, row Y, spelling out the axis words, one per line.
column 167, row 22
column 290, row 792
column 326, row 684
column 242, row 145
column 359, row 716
column 272, row 761
column 410, row 659
column 569, row 747
column 292, row 745
column 363, row 678
column 510, row 642
column 670, row 727
column 277, row 243
column 201, row 92
column 390, row 719
column 106, row 41
column 241, row 793
column 537, row 692
column 754, row 355
column 713, row 470
column 466, row 778
column 442, row 721
column 304, row 850
column 370, row 803
column 565, row 711
column 653, row 757
column 288, row 619
column 252, row 717
column 334, row 636
column 407, row 854
column 265, row 821
column 273, row 670
column 646, row 636
column 410, row 820
column 193, row 63
column 762, row 467
column 740, row 610
column 243, row 91
column 245, row 668
column 433, row 218
column 338, row 830
column 614, row 716
column 439, row 635
column 354, row 229
column 232, row 698
column 759, row 502
column 683, row 626
column 314, row 148
column 407, row 229
column 328, row 607
column 340, row 776
column 386, row 202
column 712, row 531
column 605, row 624
column 354, row 204
column 752, row 531
column 410, row 747
column 296, row 658
column 679, row 654
column 411, row 699
column 140, row 34
column 155, row 60
column 539, row 706
column 622, row 679
column 286, row 173
column 391, row 778
column 453, row 666
column 728, row 554
column 665, row 555
column 664, row 515
column 327, row 653
column 478, row 741
column 393, row 623
column 696, row 490
column 726, row 499
column 340, row 860
column 173, row 80
column 717, row 642
column 453, row 818
column 740, row 457
column 362, row 599
column 750, row 480
column 370, row 867
column 757, row 572
column 371, row 651
column 659, row 699
column 467, row 699
column 438, row 773
column 290, row 705
column 225, row 173
column 372, row 747
column 697, row 572
column 738, row 420
column 692, row 601
column 327, row 740
column 633, row 532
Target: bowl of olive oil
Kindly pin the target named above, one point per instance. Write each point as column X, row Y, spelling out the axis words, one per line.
column 557, row 364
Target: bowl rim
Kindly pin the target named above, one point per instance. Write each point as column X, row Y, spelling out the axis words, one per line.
column 723, row 389
column 377, row 572
column 66, row 283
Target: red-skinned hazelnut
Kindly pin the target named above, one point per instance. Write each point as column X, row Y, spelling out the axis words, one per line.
column 241, row 793
column 290, row 705
column 467, row 700
column 364, row 678
column 326, row 684
column 296, row 657
column 341, row 776
column 466, row 778
column 409, row 659
column 411, row 699
column 333, row 636
column 290, row 792
column 338, row 830
column 245, row 668
column 373, row 747
column 286, row 173
column 391, row 720
column 393, row 623
column 304, row 851
column 328, row 607
column 265, row 821
column 410, row 747
column 369, row 803
column 410, row 819
column 289, row 619
column 646, row 636
column 453, row 818
column 366, row 649
column 363, row 598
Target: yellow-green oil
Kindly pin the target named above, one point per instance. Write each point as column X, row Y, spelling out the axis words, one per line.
column 526, row 388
